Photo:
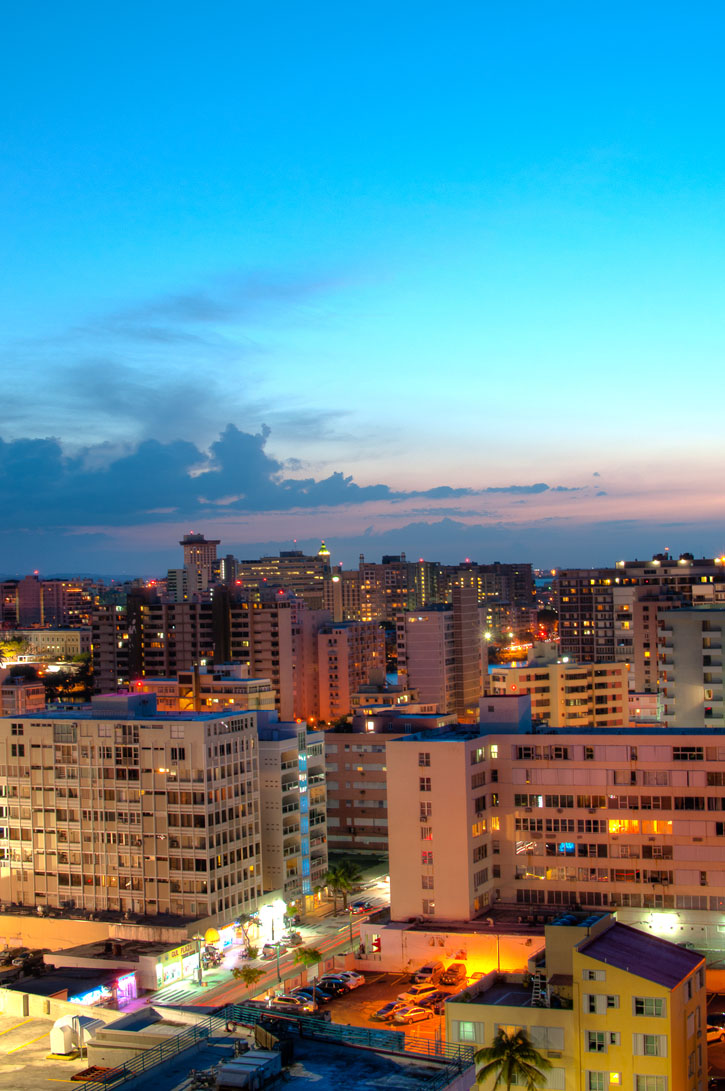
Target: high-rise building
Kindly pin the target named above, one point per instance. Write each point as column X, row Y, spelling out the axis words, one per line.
column 292, row 571
column 625, row 818
column 349, row 654
column 127, row 820
column 440, row 654
column 588, row 600
column 690, row 658
column 293, row 806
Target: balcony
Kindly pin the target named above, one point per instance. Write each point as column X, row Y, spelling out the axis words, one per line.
column 290, row 785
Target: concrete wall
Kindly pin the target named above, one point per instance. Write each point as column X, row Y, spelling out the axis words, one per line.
column 28, row 1005
column 19, row 930
column 406, row 949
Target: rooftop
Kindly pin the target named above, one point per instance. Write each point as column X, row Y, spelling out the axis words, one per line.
column 639, row 953
column 127, row 950
column 506, row 992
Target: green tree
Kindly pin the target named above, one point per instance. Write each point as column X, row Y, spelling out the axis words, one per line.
column 250, row 975
column 512, row 1058
column 341, row 878
column 11, row 649
column 309, row 956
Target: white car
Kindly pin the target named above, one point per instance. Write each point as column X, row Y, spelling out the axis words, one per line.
column 416, row 993
column 351, row 978
column 715, row 1034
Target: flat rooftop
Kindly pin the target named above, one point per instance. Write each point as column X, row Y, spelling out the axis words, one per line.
column 505, row 993
column 316, row 1064
column 128, row 950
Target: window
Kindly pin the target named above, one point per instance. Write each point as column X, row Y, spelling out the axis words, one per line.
column 594, row 1041
column 593, row 975
column 426, row 882
column 178, row 753
column 648, row 1005
column 595, row 1081
column 424, row 759
column 16, row 729
column 17, row 750
column 426, row 833
column 467, row 1032
column 650, row 1083
column 429, row 906
column 426, row 857
column 425, row 784
column 649, row 1045
column 426, row 810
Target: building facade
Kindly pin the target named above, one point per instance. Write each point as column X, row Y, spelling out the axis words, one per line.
column 119, row 807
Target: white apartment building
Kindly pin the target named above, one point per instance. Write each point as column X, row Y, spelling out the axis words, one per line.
column 47, row 645
column 293, row 807
column 426, row 656
column 632, row 819
column 690, row 659
column 119, row 807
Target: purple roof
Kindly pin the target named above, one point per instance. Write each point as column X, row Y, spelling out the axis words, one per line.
column 640, row 953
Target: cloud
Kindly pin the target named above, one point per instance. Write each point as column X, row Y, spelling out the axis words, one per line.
column 158, row 480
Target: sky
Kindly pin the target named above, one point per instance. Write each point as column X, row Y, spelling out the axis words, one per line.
column 445, row 280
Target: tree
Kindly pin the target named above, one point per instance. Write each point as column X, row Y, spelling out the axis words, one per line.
column 512, row 1057
column 250, row 975
column 341, row 878
column 309, row 956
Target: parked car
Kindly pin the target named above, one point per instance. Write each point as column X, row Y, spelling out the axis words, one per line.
column 386, row 1013
column 292, row 939
column 288, row 1002
column 455, row 974
column 335, row 985
column 411, row 1013
column 430, row 972
column 353, row 980
column 361, row 906
column 316, row 993
column 434, row 999
column 714, row 1034
column 415, row 993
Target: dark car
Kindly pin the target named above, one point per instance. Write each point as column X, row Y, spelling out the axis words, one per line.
column 434, row 1000
column 361, row 906
column 335, row 985
column 322, row 996
column 388, row 1011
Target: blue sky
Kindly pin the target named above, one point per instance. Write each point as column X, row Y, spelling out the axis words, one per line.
column 391, row 245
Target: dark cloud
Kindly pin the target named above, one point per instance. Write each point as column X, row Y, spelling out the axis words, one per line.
column 42, row 485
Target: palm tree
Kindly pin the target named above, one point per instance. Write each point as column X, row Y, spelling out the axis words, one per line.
column 341, row 878
column 309, row 956
column 512, row 1057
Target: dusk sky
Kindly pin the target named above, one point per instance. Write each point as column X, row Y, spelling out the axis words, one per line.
column 403, row 276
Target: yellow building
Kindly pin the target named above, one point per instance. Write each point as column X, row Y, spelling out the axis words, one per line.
column 608, row 1005
column 567, row 694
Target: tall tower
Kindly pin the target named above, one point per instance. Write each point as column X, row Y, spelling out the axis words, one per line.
column 199, row 560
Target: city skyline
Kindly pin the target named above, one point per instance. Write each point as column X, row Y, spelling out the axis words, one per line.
column 447, row 284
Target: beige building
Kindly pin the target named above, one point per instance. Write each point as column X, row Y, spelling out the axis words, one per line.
column 349, row 654
column 18, row 695
column 566, row 694
column 210, row 689
column 626, row 818
column 609, row 1006
column 48, row 645
column 440, row 654
column 120, row 807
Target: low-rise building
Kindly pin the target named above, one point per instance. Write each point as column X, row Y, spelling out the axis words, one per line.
column 220, row 688
column 606, row 1004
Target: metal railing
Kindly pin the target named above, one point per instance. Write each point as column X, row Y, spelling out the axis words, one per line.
column 453, row 1058
column 193, row 1036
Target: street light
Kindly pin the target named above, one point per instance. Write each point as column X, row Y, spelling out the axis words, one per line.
column 349, row 912
column 198, row 939
column 276, row 948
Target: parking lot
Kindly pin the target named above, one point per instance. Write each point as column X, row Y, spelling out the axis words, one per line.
column 24, row 1046
column 357, row 1006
